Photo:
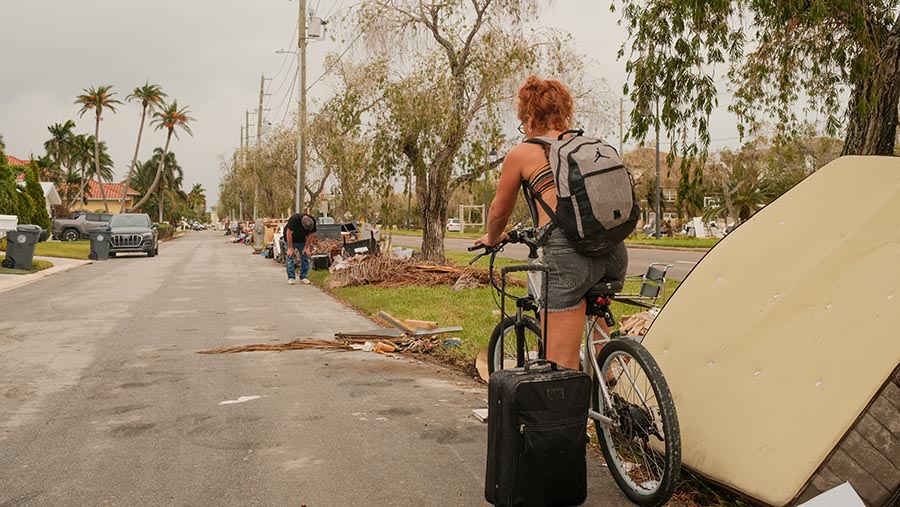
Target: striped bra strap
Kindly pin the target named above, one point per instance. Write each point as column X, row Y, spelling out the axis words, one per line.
column 542, row 179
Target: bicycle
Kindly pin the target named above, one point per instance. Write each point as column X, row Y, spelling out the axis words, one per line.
column 631, row 405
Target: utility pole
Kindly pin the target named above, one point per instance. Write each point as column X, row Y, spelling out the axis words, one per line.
column 621, row 125
column 658, row 210
column 247, row 129
column 260, row 110
column 259, row 129
column 301, row 121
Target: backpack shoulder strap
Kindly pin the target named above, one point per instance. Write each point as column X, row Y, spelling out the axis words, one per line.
column 536, row 197
column 532, row 197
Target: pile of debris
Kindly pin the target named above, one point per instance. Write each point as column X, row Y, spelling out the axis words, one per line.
column 392, row 273
column 278, row 347
column 406, row 336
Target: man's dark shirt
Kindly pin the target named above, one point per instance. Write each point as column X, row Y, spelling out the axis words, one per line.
column 296, row 226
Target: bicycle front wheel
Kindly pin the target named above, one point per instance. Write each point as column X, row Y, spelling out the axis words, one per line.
column 501, row 356
column 642, row 445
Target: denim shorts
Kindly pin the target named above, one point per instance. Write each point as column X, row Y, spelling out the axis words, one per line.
column 571, row 275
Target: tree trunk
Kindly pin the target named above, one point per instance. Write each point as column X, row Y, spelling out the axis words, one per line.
column 162, row 162
column 162, row 196
column 97, row 163
column 80, row 193
column 434, row 216
column 873, row 131
column 137, row 147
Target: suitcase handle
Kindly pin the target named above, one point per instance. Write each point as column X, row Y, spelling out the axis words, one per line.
column 542, row 362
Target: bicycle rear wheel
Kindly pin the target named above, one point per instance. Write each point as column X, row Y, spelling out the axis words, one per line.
column 642, row 445
column 505, row 356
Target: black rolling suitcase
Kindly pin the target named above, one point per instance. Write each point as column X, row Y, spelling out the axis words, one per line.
column 537, row 418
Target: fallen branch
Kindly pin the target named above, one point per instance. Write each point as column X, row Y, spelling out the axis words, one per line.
column 294, row 345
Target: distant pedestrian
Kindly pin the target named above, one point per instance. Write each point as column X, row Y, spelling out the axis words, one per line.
column 299, row 236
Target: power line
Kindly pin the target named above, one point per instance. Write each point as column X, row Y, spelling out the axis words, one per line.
column 334, row 63
column 290, row 93
column 290, row 44
column 290, row 74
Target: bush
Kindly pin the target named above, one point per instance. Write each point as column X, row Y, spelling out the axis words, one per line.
column 39, row 215
column 165, row 231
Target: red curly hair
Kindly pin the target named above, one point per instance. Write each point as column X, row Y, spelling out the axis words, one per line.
column 547, row 103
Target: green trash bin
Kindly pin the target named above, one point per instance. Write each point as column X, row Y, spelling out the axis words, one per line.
column 20, row 246
column 99, row 244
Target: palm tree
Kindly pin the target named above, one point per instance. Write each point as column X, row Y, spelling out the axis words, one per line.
column 197, row 199
column 59, row 146
column 169, row 118
column 79, row 158
column 82, row 158
column 171, row 180
column 150, row 96
column 97, row 99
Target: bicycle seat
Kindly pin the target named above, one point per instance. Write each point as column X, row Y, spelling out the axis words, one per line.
column 605, row 287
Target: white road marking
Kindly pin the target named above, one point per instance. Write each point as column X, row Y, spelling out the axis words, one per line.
column 242, row 399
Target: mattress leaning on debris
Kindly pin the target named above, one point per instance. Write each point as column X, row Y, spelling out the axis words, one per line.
column 785, row 335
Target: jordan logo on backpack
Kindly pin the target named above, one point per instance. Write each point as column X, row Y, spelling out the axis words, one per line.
column 595, row 199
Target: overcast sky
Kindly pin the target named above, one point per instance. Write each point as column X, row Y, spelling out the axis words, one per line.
column 209, row 55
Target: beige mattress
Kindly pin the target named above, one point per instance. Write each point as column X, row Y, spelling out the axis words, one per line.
column 780, row 337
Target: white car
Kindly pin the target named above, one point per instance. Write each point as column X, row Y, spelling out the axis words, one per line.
column 453, row 225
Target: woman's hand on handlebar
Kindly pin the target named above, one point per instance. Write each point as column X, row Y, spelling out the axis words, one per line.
column 488, row 244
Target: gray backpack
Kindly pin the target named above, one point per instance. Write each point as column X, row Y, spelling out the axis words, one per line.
column 594, row 192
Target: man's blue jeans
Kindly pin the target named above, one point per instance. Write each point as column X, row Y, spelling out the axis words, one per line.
column 290, row 264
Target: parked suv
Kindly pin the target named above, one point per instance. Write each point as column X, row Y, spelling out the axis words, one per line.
column 78, row 225
column 133, row 232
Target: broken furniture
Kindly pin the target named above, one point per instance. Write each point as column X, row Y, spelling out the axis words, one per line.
column 652, row 286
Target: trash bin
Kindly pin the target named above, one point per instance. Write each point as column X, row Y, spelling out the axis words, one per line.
column 99, row 245
column 20, row 246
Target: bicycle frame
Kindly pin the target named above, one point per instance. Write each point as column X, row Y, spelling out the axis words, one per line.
column 591, row 346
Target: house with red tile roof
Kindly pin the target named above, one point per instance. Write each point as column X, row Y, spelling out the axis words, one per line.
column 113, row 197
column 94, row 197
column 15, row 162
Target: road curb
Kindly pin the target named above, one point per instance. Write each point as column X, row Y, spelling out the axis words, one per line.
column 22, row 280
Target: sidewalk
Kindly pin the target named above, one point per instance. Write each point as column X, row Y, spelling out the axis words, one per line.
column 60, row 265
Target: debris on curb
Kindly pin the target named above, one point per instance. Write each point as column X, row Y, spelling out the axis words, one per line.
column 406, row 336
column 294, row 345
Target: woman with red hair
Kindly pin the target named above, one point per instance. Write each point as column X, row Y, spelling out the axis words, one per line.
column 545, row 109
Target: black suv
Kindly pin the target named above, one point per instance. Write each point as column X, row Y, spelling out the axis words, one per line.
column 133, row 232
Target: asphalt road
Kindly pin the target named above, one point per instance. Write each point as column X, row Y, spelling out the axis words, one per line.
column 682, row 261
column 105, row 401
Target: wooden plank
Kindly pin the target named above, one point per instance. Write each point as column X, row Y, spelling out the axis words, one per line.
column 373, row 338
column 892, row 393
column 382, row 332
column 826, row 479
column 888, row 415
column 882, row 439
column 871, row 491
column 442, row 330
column 868, row 457
column 395, row 322
column 421, row 324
